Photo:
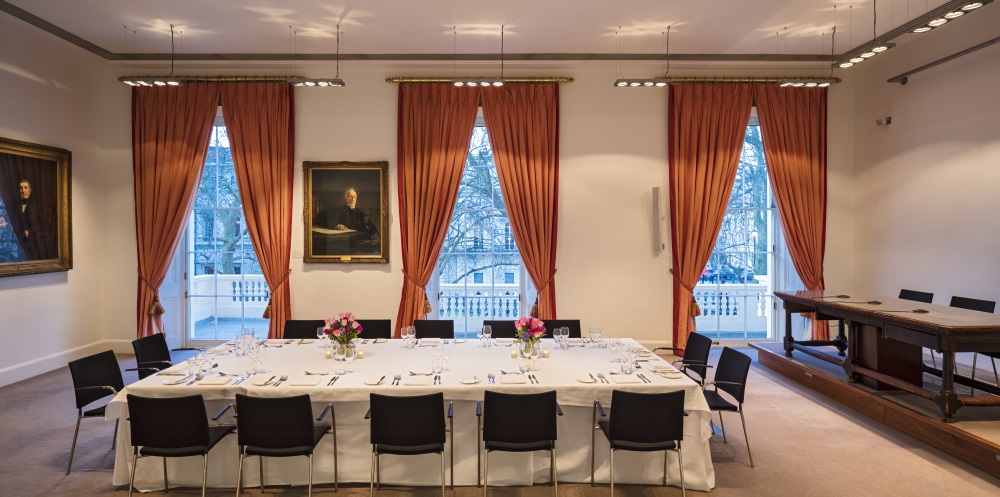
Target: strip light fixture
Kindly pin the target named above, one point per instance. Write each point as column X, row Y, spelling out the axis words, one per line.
column 952, row 13
column 156, row 80
column 474, row 82
column 323, row 82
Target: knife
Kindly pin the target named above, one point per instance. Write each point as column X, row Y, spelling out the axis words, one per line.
column 592, row 377
column 380, row 380
column 330, row 383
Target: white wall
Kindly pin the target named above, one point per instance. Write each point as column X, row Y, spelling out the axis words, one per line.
column 51, row 95
column 926, row 188
column 613, row 151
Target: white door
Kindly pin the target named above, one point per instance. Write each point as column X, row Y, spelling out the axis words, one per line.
column 172, row 293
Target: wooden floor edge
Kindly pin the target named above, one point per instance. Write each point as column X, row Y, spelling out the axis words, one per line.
column 953, row 441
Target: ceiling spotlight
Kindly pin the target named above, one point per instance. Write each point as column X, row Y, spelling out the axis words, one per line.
column 845, row 64
column 807, row 82
column 880, row 49
column 937, row 22
column 868, row 54
column 922, row 29
column 621, row 82
column 643, row 82
column 318, row 82
column 972, row 6
column 953, row 15
column 857, row 59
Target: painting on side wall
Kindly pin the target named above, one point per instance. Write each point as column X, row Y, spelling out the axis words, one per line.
column 346, row 214
column 35, row 231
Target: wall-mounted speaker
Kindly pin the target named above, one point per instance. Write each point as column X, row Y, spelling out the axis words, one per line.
column 657, row 222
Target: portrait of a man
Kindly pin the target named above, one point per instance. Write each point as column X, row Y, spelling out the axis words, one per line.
column 347, row 216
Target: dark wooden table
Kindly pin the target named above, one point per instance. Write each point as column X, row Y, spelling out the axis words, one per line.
column 885, row 338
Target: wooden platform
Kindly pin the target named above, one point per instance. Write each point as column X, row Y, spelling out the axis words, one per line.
column 974, row 437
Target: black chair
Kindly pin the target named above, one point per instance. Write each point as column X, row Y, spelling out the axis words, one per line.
column 503, row 423
column 434, row 328
column 94, row 378
column 572, row 324
column 643, row 422
column 171, row 427
column 299, row 329
column 501, row 329
column 376, row 328
column 731, row 378
column 408, row 426
column 151, row 355
column 293, row 435
column 695, row 358
column 982, row 306
column 916, row 296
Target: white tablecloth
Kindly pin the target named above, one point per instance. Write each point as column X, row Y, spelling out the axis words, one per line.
column 350, row 397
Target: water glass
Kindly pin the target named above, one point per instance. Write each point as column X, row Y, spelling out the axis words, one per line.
column 488, row 335
column 564, row 334
column 595, row 335
column 480, row 333
column 437, row 364
column 627, row 361
column 340, row 355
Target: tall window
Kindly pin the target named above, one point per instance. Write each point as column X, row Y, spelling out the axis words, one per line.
column 480, row 274
column 227, row 291
column 735, row 288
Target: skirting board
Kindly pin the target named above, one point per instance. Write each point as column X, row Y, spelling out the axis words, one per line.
column 18, row 372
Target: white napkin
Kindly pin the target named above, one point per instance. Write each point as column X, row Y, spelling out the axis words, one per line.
column 215, row 380
column 513, row 379
column 381, row 340
column 504, row 340
column 304, row 382
column 625, row 378
column 262, row 381
column 305, row 341
column 418, row 381
column 574, row 340
column 430, row 341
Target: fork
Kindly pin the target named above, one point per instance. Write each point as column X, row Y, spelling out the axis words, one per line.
column 324, row 373
column 491, row 378
column 396, row 379
column 420, row 374
column 602, row 378
column 196, row 379
column 283, row 378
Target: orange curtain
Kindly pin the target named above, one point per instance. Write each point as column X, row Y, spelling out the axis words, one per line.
column 170, row 134
column 523, row 124
column 435, row 127
column 793, row 124
column 706, row 126
column 260, row 122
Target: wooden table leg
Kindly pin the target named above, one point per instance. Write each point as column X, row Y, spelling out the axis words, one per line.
column 947, row 401
column 852, row 353
column 841, row 341
column 789, row 341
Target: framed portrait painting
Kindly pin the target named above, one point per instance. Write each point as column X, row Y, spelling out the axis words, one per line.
column 346, row 214
column 35, row 232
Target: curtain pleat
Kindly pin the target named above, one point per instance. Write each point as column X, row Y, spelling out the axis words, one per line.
column 170, row 135
column 260, row 124
column 523, row 125
column 793, row 125
column 435, row 128
column 706, row 126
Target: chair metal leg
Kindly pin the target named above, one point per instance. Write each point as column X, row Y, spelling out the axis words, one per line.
column 996, row 377
column 664, row 468
column 555, row 473
column 972, row 390
column 72, row 448
column 166, row 483
column 680, row 466
column 333, row 430
column 612, row 472
column 378, row 471
column 745, row 436
column 451, row 449
column 486, row 472
column 722, row 424
column 479, row 449
column 371, row 479
column 131, row 476
column 239, row 479
column 933, row 359
column 442, row 474
column 310, row 491
column 114, row 436
column 260, row 467
column 593, row 445
column 204, row 473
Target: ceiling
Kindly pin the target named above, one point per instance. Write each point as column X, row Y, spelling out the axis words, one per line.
column 430, row 28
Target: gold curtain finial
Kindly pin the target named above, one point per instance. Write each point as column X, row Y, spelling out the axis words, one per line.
column 534, row 308
column 427, row 306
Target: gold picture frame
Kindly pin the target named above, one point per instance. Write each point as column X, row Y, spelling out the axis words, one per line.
column 346, row 212
column 35, row 198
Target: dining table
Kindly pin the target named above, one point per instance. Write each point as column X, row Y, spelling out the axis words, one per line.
column 581, row 373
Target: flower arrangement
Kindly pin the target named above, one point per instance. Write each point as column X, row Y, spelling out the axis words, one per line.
column 529, row 329
column 343, row 328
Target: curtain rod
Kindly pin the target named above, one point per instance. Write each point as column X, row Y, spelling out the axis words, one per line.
column 221, row 79
column 432, row 79
column 676, row 80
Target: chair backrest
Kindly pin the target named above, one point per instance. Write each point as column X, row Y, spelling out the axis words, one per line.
column 501, row 329
column 973, row 304
column 519, row 418
column 916, row 296
column 169, row 422
column 646, row 417
column 696, row 351
column 407, row 421
column 302, row 328
column 376, row 328
column 572, row 324
column 274, row 423
column 151, row 349
column 733, row 367
column 92, row 371
column 434, row 328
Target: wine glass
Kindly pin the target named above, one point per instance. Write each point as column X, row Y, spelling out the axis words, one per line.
column 257, row 355
column 488, row 335
column 350, row 352
column 340, row 354
column 595, row 335
column 480, row 333
column 447, row 351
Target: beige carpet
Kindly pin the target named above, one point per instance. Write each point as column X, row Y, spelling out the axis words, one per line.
column 804, row 445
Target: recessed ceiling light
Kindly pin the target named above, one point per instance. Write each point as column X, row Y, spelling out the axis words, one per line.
column 952, row 15
column 972, row 6
column 937, row 22
column 868, row 55
column 846, row 64
column 857, row 59
column 922, row 29
column 880, row 49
